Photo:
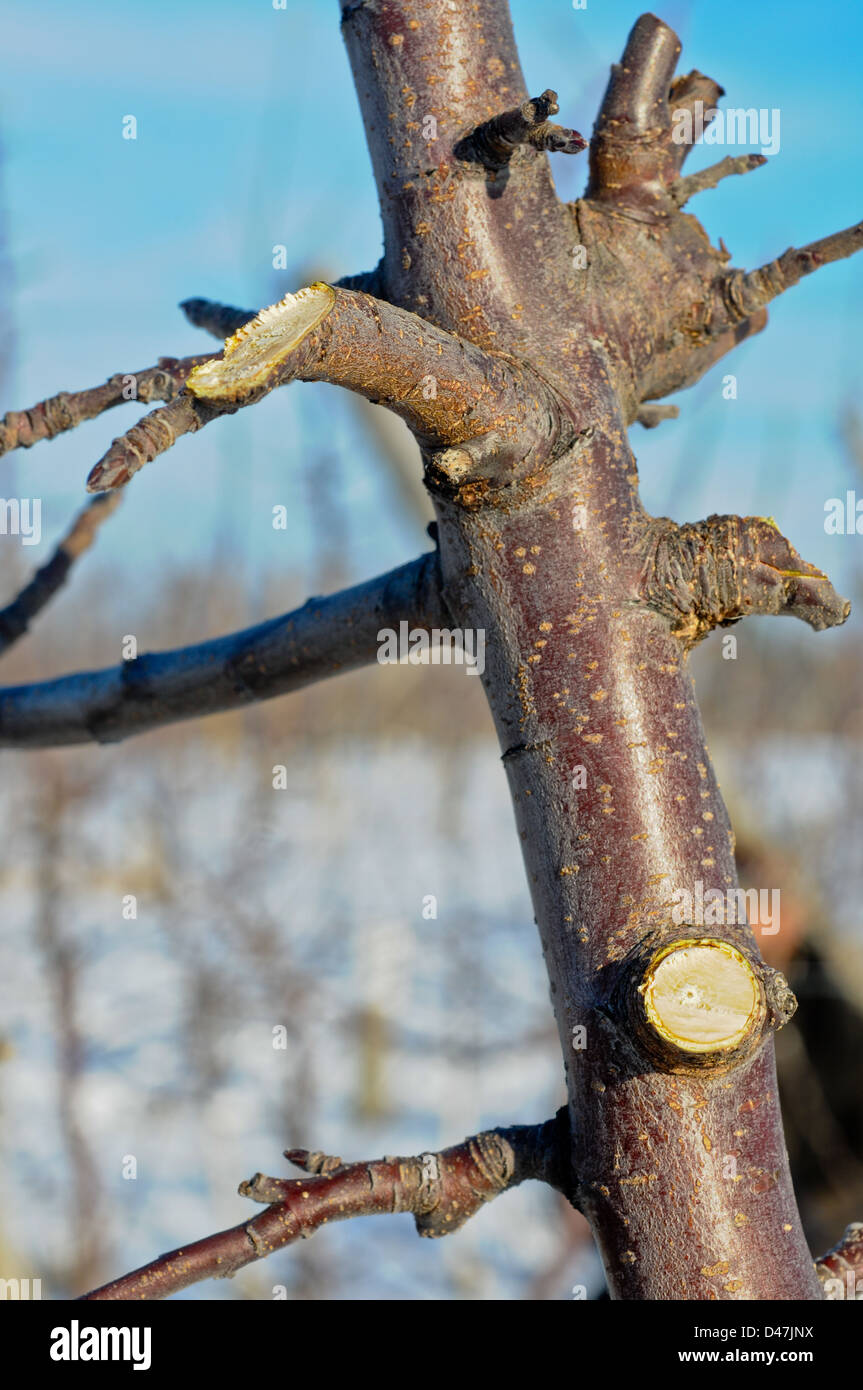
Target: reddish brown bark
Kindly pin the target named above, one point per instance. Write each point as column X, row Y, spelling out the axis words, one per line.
column 442, row 1191
column 683, row 1177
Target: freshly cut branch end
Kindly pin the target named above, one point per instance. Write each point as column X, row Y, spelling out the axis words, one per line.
column 254, row 353
column 701, row 996
column 700, row 1003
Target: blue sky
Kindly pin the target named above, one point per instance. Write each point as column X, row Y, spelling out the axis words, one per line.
column 249, row 135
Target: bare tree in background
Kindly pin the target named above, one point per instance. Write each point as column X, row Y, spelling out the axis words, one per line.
column 519, row 337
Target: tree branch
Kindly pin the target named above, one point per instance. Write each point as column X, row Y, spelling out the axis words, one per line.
column 21, row 429
column 689, row 357
column 713, row 572
column 684, row 189
column 149, row 438
column 441, row 1190
column 744, row 292
column 221, row 320
column 632, row 157
column 15, row 618
column 323, row 638
column 448, row 390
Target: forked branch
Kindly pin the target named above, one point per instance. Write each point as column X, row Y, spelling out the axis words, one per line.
column 448, row 390
column 21, row 429
column 441, row 1190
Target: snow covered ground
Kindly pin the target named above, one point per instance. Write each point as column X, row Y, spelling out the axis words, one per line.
column 372, row 915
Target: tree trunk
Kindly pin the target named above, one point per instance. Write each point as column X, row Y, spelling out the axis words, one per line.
column 678, row 1159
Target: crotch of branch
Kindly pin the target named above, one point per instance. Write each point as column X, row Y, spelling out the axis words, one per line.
column 714, row 572
column 493, row 143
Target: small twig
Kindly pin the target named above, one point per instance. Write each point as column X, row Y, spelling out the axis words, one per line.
column 493, row 143
column 15, row 618
column 21, row 429
column 650, row 415
column 686, row 188
column 150, row 437
column 745, row 291
column 441, row 1190
column 222, row 320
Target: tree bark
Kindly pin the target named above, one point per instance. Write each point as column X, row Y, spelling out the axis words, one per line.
column 681, row 1169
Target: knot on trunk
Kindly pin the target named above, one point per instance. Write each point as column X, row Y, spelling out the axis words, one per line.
column 712, row 573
